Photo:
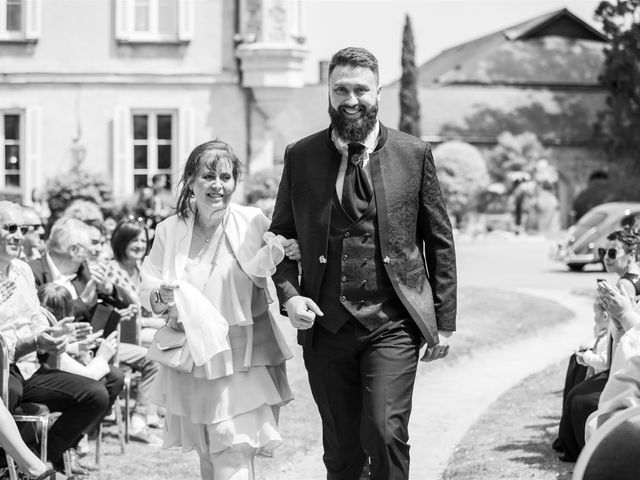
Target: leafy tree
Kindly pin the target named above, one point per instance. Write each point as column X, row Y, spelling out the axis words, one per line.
column 514, row 158
column 619, row 124
column 463, row 175
column 409, row 104
column 78, row 184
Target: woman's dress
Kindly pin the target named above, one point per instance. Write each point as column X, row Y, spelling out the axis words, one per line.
column 240, row 405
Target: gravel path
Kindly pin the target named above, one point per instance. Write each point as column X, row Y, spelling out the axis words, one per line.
column 449, row 398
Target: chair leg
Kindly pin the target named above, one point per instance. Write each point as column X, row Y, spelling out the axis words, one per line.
column 99, row 444
column 66, row 458
column 127, row 407
column 121, row 427
column 13, row 474
column 45, row 438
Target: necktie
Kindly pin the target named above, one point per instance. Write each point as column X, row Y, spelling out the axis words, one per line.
column 356, row 192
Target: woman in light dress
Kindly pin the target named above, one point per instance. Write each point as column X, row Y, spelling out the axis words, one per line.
column 207, row 273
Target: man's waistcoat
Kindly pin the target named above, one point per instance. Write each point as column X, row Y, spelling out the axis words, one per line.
column 355, row 282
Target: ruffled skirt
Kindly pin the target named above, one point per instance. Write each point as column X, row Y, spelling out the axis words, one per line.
column 238, row 407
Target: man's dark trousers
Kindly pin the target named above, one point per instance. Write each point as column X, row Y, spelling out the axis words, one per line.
column 363, row 383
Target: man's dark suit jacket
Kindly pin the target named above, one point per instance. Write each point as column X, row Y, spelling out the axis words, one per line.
column 413, row 226
column 83, row 312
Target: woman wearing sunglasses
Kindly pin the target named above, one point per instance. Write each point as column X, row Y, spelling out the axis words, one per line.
column 620, row 256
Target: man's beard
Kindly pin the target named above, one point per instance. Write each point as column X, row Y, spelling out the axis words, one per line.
column 354, row 130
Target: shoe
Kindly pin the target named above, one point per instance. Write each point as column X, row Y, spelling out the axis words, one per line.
column 145, row 436
column 557, row 446
column 154, row 421
column 75, row 466
column 563, row 457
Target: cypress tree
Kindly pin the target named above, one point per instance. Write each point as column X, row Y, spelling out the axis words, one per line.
column 409, row 105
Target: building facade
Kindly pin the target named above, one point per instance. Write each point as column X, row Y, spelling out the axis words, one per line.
column 129, row 87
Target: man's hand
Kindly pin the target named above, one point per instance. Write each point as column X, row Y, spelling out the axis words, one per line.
column 302, row 312
column 128, row 313
column 99, row 276
column 76, row 330
column 48, row 342
column 88, row 295
column 440, row 350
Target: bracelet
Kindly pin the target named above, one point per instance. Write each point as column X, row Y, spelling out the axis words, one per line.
column 157, row 298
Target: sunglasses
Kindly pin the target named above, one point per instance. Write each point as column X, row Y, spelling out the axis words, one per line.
column 612, row 253
column 12, row 228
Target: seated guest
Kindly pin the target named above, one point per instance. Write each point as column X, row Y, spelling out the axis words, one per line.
column 619, row 256
column 623, row 388
column 129, row 355
column 129, row 243
column 81, row 401
column 95, row 297
column 89, row 213
column 34, row 240
column 77, row 356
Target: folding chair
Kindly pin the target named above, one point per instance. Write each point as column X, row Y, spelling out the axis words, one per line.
column 35, row 413
column 613, row 453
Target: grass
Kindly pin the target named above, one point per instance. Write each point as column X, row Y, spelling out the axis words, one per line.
column 512, row 439
column 486, row 318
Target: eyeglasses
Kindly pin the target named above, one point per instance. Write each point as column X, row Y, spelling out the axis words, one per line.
column 34, row 226
column 612, row 253
column 12, row 228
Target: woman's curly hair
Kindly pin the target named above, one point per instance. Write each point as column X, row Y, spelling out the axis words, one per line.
column 628, row 236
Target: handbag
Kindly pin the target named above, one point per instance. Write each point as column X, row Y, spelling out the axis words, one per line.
column 168, row 349
column 169, row 346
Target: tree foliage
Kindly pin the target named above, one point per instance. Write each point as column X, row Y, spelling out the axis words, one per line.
column 463, row 175
column 514, row 157
column 78, row 184
column 619, row 124
column 409, row 104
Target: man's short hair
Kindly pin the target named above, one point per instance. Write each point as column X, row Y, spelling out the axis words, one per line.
column 67, row 232
column 354, row 57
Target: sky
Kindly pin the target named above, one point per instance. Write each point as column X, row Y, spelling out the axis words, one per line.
column 330, row 25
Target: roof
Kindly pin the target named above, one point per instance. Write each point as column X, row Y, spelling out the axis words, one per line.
column 556, row 48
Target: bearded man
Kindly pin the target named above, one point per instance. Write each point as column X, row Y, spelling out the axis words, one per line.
column 378, row 271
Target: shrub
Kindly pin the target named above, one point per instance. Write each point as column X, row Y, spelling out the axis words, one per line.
column 78, row 184
column 462, row 173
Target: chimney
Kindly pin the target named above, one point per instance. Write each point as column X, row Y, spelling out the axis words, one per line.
column 323, row 67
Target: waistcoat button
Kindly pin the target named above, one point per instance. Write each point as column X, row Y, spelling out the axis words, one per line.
column 344, row 278
column 343, row 298
column 346, row 235
column 345, row 257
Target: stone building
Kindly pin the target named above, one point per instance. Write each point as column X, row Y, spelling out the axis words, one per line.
column 131, row 86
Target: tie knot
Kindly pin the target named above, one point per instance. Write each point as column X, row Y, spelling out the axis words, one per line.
column 356, row 153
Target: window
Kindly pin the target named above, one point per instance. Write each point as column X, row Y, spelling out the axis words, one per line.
column 19, row 20
column 169, row 21
column 11, row 139
column 153, row 147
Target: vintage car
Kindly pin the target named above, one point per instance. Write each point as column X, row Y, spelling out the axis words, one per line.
column 580, row 246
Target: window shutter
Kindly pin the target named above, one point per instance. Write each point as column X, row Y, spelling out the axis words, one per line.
column 122, row 152
column 185, row 20
column 31, row 167
column 123, row 19
column 33, row 19
column 186, row 139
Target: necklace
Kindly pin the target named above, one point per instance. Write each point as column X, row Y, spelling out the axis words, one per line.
column 201, row 235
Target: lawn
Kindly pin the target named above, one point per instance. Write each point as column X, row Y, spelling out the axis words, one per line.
column 512, row 439
column 486, row 318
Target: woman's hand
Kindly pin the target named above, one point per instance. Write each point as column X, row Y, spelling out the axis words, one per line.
column 292, row 249
column 612, row 301
column 76, row 330
column 129, row 313
column 108, row 347
column 7, row 287
column 173, row 320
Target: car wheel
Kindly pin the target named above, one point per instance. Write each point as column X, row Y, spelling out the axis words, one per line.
column 575, row 267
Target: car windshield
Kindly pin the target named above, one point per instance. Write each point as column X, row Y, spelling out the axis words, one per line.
column 590, row 220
